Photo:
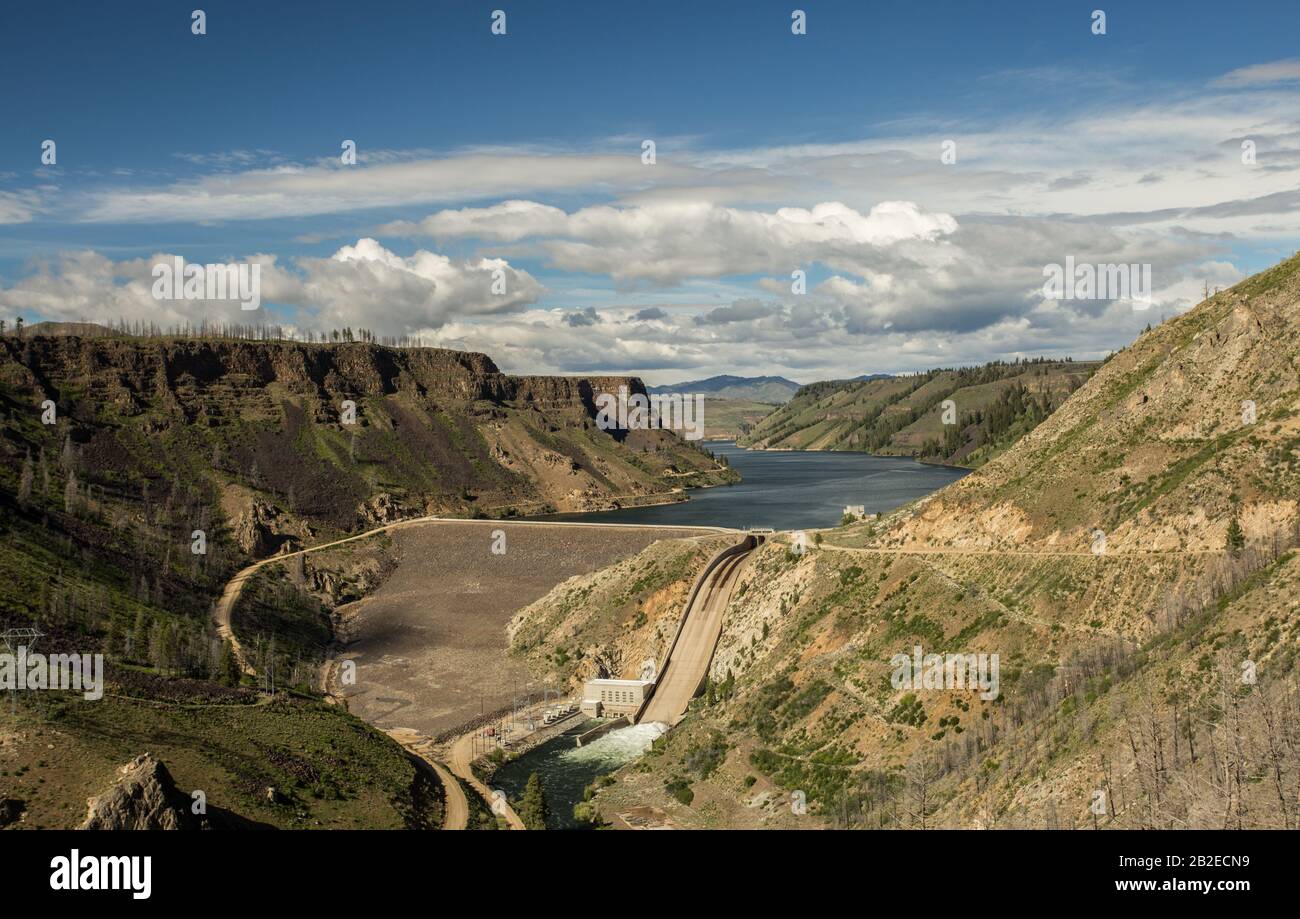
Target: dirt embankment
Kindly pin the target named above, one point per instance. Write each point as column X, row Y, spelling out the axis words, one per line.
column 430, row 645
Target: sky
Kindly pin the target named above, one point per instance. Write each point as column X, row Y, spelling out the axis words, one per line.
column 920, row 164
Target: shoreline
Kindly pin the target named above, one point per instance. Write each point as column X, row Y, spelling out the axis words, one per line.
column 900, row 456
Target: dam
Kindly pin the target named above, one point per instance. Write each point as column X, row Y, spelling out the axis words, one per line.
column 430, row 648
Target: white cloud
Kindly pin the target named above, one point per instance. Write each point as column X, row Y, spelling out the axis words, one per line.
column 950, row 274
column 19, row 206
column 1284, row 71
column 367, row 285
column 668, row 242
column 293, row 190
column 362, row 286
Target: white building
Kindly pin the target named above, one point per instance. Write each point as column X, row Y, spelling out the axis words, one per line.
column 602, row 698
column 856, row 511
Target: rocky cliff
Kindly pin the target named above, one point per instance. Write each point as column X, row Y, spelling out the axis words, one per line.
column 163, row 464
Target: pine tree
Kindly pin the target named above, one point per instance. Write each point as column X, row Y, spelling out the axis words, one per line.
column 1236, row 538
column 70, row 494
column 228, row 672
column 139, row 635
column 160, row 647
column 25, row 482
column 533, row 810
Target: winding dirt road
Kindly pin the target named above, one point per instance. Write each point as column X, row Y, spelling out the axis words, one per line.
column 223, row 609
column 456, row 816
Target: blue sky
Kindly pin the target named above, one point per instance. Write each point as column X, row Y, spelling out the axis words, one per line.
column 225, row 147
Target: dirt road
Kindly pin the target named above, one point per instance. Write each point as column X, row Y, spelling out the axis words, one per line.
column 462, row 753
column 456, row 816
column 224, row 607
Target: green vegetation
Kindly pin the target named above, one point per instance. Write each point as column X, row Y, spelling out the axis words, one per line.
column 532, row 807
column 289, row 762
column 680, row 789
column 962, row 416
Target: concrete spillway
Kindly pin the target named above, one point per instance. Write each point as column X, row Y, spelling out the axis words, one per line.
column 686, row 665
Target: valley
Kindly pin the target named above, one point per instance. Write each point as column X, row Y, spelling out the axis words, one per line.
column 1121, row 559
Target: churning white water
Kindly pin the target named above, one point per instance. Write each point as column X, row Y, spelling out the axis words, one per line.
column 617, row 747
column 567, row 769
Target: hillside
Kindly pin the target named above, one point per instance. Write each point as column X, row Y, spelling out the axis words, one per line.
column 987, row 408
column 769, row 390
column 730, row 419
column 1147, row 678
column 169, row 463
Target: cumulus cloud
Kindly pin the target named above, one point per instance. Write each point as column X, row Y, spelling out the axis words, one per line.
column 668, row 242
column 740, row 311
column 805, row 338
column 583, row 318
column 363, row 285
column 369, row 285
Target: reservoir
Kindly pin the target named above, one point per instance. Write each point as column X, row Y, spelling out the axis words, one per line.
column 791, row 490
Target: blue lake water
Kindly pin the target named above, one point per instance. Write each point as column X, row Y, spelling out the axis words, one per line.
column 791, row 490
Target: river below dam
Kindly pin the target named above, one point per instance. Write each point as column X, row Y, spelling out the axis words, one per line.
column 567, row 769
column 791, row 490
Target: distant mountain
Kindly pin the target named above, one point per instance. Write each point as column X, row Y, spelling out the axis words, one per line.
column 773, row 390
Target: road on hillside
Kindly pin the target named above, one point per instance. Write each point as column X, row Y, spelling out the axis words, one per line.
column 456, row 805
column 462, row 754
column 457, row 816
column 223, row 610
column 688, row 663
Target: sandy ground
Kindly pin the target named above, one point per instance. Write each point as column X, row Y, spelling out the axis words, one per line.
column 430, row 644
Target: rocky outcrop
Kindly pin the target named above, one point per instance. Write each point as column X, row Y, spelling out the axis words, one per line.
column 11, row 811
column 144, row 797
column 296, row 436
column 261, row 529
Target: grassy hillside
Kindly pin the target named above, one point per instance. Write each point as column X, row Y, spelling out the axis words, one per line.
column 1132, row 562
column 987, row 409
column 291, row 763
column 770, row 390
column 730, row 419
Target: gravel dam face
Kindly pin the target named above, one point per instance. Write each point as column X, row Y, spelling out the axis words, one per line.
column 430, row 643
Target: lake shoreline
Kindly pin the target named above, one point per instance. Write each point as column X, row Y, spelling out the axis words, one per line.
column 790, row 490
